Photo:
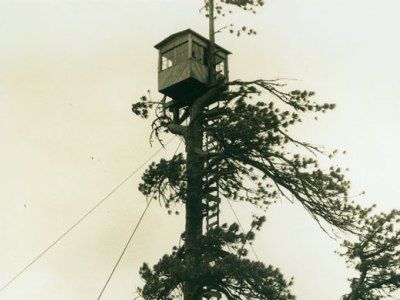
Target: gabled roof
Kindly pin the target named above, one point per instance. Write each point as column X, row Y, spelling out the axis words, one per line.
column 185, row 32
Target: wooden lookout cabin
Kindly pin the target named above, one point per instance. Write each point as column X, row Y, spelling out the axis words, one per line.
column 183, row 72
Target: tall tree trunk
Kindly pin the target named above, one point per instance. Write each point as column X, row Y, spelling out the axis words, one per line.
column 193, row 228
column 194, row 220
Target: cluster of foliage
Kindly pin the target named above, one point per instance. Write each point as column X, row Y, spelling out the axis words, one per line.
column 375, row 254
column 166, row 180
column 224, row 268
column 258, row 166
column 224, row 7
column 249, row 5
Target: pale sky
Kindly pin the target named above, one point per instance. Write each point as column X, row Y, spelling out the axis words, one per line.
column 69, row 71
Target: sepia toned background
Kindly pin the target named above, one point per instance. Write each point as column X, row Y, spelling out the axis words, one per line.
column 69, row 72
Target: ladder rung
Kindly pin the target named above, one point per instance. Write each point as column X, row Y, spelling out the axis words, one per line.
column 209, row 217
column 212, row 222
column 213, row 183
column 212, row 225
column 210, row 189
column 213, row 207
column 213, row 198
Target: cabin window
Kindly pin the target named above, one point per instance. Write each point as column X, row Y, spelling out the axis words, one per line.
column 174, row 56
column 220, row 65
column 199, row 53
column 167, row 60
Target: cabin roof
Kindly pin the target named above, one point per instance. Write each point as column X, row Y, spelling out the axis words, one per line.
column 185, row 32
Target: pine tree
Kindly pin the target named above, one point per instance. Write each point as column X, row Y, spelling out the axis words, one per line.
column 257, row 161
column 375, row 254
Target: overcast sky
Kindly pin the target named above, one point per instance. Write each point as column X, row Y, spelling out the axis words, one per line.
column 69, row 71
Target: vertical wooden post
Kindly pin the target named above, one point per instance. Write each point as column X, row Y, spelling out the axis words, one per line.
column 190, row 46
column 159, row 67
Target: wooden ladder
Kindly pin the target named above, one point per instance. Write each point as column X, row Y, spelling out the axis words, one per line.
column 211, row 200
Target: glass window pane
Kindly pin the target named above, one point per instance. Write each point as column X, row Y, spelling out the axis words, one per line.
column 167, row 59
column 220, row 68
column 220, row 65
column 166, row 63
